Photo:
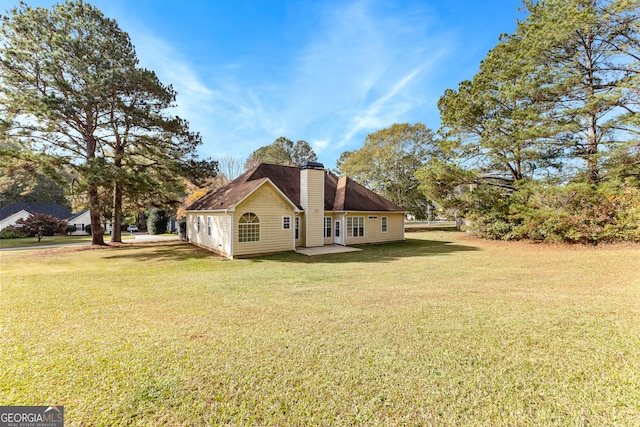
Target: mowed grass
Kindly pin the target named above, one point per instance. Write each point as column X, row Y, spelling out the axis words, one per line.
column 26, row 242
column 440, row 330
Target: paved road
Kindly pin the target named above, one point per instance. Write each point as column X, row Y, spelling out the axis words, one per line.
column 137, row 238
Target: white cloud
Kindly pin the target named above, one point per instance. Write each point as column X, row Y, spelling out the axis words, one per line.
column 360, row 70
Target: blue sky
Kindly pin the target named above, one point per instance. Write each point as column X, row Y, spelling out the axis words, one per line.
column 327, row 72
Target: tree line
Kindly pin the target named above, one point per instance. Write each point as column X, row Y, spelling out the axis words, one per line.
column 75, row 101
column 542, row 143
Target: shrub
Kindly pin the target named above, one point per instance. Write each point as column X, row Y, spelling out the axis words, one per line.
column 157, row 221
column 12, row 233
column 46, row 224
column 71, row 229
column 574, row 213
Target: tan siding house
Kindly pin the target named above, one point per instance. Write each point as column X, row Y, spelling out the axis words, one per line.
column 274, row 208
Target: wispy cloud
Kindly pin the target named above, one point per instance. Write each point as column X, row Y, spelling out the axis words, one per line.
column 361, row 69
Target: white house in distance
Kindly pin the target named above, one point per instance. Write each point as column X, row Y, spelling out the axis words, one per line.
column 274, row 208
column 82, row 219
column 11, row 214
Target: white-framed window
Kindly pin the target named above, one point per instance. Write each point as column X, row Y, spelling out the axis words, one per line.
column 297, row 227
column 249, row 228
column 327, row 226
column 286, row 223
column 355, row 226
column 384, row 221
column 198, row 225
column 209, row 225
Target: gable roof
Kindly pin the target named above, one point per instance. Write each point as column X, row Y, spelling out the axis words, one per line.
column 52, row 209
column 79, row 214
column 340, row 193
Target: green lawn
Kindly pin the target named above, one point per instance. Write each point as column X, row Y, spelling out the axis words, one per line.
column 49, row 240
column 441, row 330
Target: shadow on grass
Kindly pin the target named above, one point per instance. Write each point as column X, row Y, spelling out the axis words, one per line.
column 387, row 252
column 418, row 229
column 376, row 253
column 165, row 251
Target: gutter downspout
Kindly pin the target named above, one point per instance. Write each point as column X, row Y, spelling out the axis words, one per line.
column 230, row 213
column 403, row 229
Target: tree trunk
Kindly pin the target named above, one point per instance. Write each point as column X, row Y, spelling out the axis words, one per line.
column 592, row 114
column 94, row 212
column 116, row 214
column 592, row 150
column 116, row 218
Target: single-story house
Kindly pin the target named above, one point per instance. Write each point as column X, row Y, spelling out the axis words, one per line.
column 273, row 208
column 82, row 219
column 9, row 215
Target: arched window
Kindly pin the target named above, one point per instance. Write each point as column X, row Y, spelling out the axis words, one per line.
column 249, row 228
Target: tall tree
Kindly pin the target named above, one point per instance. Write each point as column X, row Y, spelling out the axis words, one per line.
column 388, row 161
column 494, row 123
column 591, row 51
column 71, row 87
column 303, row 152
column 562, row 88
column 282, row 152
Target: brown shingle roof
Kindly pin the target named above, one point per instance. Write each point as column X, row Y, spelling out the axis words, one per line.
column 339, row 193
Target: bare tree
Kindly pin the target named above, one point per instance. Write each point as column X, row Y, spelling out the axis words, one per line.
column 231, row 167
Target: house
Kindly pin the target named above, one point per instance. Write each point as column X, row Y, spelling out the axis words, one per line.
column 82, row 219
column 9, row 215
column 274, row 208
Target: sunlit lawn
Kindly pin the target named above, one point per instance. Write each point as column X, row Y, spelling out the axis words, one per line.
column 441, row 330
column 49, row 240
column 46, row 240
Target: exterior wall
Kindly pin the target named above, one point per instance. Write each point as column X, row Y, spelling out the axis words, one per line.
column 80, row 222
column 220, row 239
column 11, row 219
column 301, row 235
column 270, row 207
column 312, row 201
column 84, row 220
column 373, row 228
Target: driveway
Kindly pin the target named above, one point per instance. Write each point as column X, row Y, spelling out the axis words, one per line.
column 144, row 237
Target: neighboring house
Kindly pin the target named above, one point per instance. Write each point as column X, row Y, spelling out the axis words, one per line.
column 82, row 219
column 275, row 208
column 11, row 214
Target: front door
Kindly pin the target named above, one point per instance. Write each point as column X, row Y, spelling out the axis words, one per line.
column 337, row 232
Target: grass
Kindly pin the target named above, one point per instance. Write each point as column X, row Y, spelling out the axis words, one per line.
column 49, row 240
column 441, row 330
